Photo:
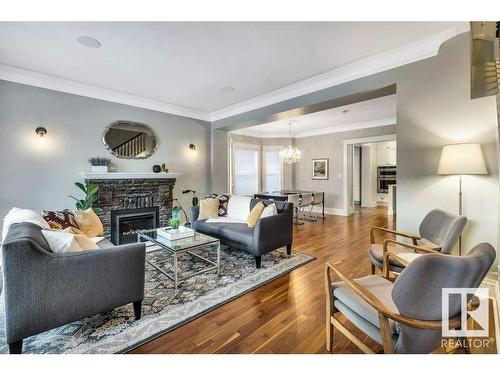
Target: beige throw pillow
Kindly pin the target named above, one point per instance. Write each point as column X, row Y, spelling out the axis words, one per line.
column 255, row 214
column 89, row 223
column 209, row 208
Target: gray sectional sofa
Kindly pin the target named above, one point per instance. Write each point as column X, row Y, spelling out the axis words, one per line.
column 44, row 290
column 270, row 233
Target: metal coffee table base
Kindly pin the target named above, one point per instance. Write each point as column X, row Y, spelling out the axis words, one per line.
column 176, row 277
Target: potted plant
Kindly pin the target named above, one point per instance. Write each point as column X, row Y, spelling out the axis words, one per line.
column 175, row 220
column 175, row 231
column 99, row 165
column 91, row 194
column 174, row 223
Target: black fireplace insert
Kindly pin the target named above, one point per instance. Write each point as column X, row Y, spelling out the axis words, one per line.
column 125, row 223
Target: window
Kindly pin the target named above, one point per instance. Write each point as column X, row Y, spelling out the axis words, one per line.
column 246, row 169
column 272, row 169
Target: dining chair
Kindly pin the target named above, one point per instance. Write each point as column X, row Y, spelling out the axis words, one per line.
column 317, row 201
column 403, row 316
column 438, row 232
column 306, row 202
column 295, row 200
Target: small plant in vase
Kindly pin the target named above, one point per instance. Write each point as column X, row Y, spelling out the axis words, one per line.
column 175, row 221
column 99, row 165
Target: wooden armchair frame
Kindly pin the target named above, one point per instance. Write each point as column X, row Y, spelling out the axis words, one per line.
column 374, row 229
column 387, row 254
column 384, row 314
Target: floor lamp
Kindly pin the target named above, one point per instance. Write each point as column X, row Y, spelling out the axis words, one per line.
column 461, row 159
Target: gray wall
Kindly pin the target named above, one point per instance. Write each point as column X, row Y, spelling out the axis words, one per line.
column 434, row 108
column 219, row 155
column 40, row 176
column 329, row 146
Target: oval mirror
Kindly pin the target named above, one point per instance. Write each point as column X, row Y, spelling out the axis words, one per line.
column 130, row 140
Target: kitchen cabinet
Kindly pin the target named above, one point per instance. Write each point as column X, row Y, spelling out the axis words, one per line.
column 386, row 153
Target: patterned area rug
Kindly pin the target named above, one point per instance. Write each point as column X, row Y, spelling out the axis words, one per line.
column 164, row 308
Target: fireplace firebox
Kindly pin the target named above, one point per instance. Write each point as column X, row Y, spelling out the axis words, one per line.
column 125, row 223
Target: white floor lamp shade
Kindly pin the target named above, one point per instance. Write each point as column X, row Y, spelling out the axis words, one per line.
column 461, row 159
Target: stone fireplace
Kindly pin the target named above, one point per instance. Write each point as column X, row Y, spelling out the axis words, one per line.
column 130, row 202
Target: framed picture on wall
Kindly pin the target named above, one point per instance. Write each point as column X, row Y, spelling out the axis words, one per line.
column 320, row 169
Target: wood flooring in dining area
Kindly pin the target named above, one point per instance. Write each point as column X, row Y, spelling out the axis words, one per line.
column 286, row 315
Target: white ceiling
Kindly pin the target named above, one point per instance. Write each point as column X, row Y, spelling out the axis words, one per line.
column 362, row 115
column 181, row 67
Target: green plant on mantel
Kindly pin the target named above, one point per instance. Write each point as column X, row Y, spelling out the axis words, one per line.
column 91, row 194
column 99, row 161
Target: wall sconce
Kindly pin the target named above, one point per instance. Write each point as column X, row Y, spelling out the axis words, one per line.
column 42, row 132
column 192, row 147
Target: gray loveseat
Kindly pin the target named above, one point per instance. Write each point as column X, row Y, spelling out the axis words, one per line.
column 44, row 290
column 270, row 233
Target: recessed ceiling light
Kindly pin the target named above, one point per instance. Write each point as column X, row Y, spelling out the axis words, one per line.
column 345, row 111
column 227, row 89
column 88, row 41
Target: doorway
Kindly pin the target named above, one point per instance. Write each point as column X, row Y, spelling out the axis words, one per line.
column 367, row 163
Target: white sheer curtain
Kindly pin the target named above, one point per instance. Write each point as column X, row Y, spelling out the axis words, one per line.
column 246, row 169
column 273, row 168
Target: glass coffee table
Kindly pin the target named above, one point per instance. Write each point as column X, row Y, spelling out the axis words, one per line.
column 178, row 247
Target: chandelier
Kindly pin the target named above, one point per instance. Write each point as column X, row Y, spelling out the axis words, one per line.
column 290, row 154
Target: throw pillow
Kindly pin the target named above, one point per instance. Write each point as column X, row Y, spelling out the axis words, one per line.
column 239, row 207
column 209, row 208
column 270, row 210
column 255, row 214
column 61, row 241
column 89, row 223
column 60, row 219
column 21, row 215
column 223, row 202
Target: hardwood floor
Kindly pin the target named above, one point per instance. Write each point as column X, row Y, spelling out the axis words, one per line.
column 288, row 314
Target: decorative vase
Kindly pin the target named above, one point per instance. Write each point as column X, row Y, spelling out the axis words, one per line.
column 112, row 168
column 99, row 168
column 195, row 201
column 156, row 169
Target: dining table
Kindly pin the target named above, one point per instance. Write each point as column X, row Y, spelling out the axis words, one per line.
column 282, row 195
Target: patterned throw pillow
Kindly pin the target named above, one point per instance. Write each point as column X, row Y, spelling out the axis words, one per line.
column 223, row 201
column 60, row 219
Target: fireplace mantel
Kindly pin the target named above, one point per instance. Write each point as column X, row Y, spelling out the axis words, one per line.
column 127, row 176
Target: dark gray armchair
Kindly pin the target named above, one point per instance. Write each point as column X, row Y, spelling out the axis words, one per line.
column 44, row 290
column 404, row 316
column 438, row 232
column 270, row 233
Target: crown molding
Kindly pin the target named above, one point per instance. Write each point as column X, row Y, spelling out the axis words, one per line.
column 46, row 81
column 412, row 52
column 340, row 129
column 330, row 130
column 421, row 49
